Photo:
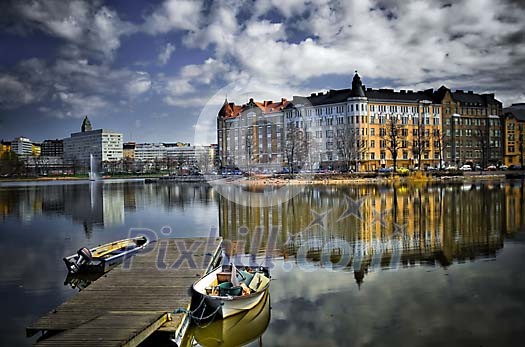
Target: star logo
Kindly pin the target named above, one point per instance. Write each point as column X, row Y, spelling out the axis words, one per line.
column 319, row 219
column 353, row 208
column 380, row 217
column 399, row 230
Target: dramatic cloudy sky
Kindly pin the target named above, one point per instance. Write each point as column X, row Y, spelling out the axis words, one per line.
column 148, row 69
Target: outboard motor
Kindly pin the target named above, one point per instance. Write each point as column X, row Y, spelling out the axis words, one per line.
column 84, row 257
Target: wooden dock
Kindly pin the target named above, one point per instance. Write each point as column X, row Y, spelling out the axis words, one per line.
column 135, row 299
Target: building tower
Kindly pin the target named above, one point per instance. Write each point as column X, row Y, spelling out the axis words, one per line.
column 86, row 125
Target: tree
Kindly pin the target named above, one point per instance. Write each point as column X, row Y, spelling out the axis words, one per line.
column 203, row 159
column 482, row 137
column 296, row 147
column 10, row 164
column 440, row 142
column 249, row 148
column 349, row 146
column 520, row 139
column 393, row 137
column 419, row 144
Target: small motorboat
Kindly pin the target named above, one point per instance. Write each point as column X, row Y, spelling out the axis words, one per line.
column 102, row 258
column 229, row 290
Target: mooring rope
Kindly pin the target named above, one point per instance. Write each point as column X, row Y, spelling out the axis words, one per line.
column 191, row 313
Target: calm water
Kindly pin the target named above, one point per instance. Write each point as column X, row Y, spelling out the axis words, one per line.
column 368, row 265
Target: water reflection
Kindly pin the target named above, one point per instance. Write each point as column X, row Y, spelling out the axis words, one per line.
column 40, row 224
column 97, row 204
column 437, row 225
column 237, row 330
column 427, row 224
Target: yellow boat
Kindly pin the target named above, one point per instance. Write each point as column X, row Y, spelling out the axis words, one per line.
column 102, row 258
column 229, row 290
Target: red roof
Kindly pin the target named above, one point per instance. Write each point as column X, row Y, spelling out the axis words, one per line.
column 230, row 110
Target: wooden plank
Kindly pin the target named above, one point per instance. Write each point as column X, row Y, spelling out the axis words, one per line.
column 133, row 294
column 129, row 329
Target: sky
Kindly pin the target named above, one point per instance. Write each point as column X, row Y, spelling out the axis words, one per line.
column 158, row 71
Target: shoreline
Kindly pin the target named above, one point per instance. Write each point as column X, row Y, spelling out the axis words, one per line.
column 328, row 179
column 270, row 181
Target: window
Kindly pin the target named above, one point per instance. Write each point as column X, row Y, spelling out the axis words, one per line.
column 372, row 156
column 372, row 144
column 382, row 132
column 329, row 133
column 372, row 131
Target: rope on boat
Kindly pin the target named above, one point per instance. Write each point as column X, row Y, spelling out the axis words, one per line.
column 195, row 318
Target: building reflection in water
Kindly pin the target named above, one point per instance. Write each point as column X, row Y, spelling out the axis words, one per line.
column 424, row 224
column 98, row 204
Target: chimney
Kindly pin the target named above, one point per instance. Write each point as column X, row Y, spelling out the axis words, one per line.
column 402, row 91
column 313, row 94
column 470, row 92
column 283, row 100
column 459, row 91
column 410, row 91
column 320, row 93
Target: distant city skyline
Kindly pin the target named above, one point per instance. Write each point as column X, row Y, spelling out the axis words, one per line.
column 148, row 69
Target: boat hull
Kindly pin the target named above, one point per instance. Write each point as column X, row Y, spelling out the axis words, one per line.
column 226, row 306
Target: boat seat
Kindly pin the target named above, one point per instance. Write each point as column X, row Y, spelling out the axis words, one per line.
column 258, row 282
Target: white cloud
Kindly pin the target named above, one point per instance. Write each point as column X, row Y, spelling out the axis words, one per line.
column 87, row 27
column 174, row 14
column 14, row 93
column 190, row 80
column 165, row 54
column 80, row 104
column 179, row 87
column 139, row 85
column 412, row 42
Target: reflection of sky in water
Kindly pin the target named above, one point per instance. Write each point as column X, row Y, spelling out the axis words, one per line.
column 479, row 303
column 466, row 303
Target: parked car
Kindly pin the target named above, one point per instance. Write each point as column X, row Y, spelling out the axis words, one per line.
column 466, row 168
column 402, row 170
column 451, row 168
column 477, row 167
column 503, row 167
column 515, row 167
column 491, row 168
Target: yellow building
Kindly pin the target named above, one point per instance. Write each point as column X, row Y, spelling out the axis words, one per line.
column 404, row 124
column 128, row 150
column 514, row 135
column 36, row 150
column 5, row 147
